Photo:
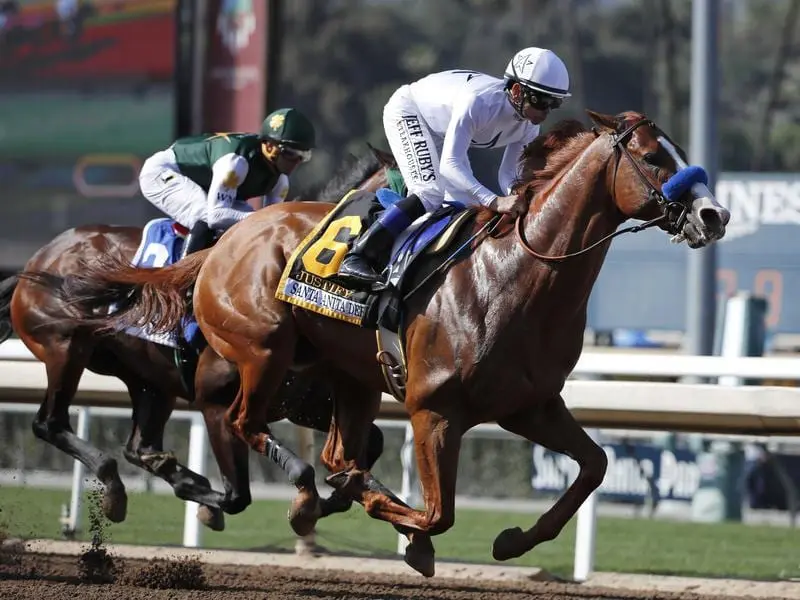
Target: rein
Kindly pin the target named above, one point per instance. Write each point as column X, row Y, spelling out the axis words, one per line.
column 477, row 237
column 618, row 144
column 632, row 229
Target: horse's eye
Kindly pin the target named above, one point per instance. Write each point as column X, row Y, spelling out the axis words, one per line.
column 650, row 158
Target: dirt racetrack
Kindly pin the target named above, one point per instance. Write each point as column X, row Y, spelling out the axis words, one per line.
column 37, row 573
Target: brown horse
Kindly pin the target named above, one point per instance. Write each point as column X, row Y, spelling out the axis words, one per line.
column 150, row 374
column 493, row 338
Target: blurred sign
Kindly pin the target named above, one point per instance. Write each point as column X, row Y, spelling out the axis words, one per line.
column 643, row 282
column 96, row 41
column 632, row 469
column 235, row 88
column 756, row 202
column 88, row 94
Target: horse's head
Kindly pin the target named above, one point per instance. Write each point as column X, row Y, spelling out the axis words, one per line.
column 650, row 179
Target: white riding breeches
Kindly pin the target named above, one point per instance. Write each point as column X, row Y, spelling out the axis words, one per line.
column 415, row 148
column 175, row 194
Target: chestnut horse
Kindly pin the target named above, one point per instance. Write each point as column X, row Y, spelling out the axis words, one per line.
column 492, row 339
column 150, row 374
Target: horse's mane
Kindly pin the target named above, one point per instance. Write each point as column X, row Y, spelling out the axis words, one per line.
column 548, row 154
column 352, row 173
column 544, row 158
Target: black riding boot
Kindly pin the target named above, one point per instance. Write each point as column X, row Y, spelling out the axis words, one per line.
column 369, row 254
column 360, row 264
column 200, row 238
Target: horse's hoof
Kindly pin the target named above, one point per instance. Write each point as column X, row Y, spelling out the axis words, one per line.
column 115, row 504
column 421, row 558
column 213, row 518
column 304, row 513
column 510, row 543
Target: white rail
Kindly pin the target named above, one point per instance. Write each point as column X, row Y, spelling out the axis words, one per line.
column 705, row 408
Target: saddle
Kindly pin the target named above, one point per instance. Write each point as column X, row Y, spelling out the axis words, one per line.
column 429, row 246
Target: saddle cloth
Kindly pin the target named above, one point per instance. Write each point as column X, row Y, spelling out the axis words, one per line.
column 308, row 281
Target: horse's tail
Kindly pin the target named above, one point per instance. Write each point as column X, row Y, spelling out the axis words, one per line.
column 140, row 297
column 7, row 287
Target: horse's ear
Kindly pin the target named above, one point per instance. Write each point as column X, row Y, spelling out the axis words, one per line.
column 606, row 123
column 385, row 158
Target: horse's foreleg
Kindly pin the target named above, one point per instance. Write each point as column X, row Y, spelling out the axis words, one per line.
column 65, row 364
column 553, row 427
column 145, row 449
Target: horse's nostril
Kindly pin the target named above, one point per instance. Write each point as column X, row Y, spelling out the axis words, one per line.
column 714, row 219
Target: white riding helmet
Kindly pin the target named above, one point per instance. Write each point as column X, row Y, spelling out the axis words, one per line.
column 541, row 70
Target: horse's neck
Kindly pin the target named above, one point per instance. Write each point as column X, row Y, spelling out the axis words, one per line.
column 573, row 213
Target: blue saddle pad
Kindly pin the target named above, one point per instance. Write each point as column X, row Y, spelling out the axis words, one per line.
column 438, row 222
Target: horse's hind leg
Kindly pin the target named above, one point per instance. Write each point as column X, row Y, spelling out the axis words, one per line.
column 145, row 449
column 262, row 371
column 215, row 387
column 309, row 402
column 553, row 427
column 65, row 363
column 338, row 501
column 347, row 452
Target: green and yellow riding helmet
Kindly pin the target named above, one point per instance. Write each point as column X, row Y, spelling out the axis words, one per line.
column 291, row 131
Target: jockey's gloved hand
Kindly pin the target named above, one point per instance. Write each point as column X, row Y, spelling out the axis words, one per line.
column 513, row 205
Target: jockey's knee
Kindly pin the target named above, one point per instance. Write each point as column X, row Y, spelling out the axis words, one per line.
column 430, row 199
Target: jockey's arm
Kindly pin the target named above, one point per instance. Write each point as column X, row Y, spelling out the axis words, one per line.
column 278, row 193
column 454, row 169
column 228, row 174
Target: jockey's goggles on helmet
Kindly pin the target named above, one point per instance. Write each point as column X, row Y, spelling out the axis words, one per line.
column 293, row 154
column 541, row 101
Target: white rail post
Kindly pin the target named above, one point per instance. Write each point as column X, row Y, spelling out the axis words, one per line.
column 192, row 530
column 585, row 532
column 82, row 431
column 409, row 487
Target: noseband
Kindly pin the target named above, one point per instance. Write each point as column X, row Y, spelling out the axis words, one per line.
column 673, row 212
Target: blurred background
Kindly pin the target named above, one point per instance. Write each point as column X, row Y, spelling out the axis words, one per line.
column 89, row 89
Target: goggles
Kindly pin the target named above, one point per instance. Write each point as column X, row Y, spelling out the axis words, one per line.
column 541, row 101
column 293, row 154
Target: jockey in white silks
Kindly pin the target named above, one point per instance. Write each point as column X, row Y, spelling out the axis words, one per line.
column 430, row 125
